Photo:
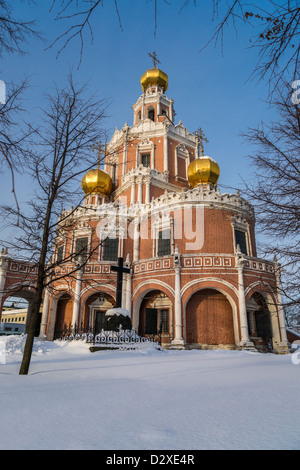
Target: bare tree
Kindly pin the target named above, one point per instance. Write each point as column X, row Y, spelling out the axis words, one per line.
column 276, row 22
column 277, row 38
column 275, row 25
column 276, row 188
column 13, row 135
column 61, row 152
column 14, row 32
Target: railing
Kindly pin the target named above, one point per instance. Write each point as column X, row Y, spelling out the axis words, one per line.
column 114, row 338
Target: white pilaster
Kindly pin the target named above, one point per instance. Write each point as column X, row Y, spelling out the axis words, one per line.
column 245, row 340
column 3, row 271
column 76, row 304
column 178, row 341
column 140, row 191
column 281, row 317
column 133, row 191
column 44, row 320
column 147, row 195
column 136, row 241
column 166, row 166
column 128, row 280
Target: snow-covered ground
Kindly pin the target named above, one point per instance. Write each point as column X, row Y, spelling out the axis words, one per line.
column 147, row 399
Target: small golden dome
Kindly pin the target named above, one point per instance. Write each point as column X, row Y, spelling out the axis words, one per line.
column 97, row 181
column 203, row 170
column 154, row 77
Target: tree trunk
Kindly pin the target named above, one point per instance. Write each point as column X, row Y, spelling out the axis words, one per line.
column 38, row 295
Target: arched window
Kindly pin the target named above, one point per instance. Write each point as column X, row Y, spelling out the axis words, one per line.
column 138, row 117
column 151, row 113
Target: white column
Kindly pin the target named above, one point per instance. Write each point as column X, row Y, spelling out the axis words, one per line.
column 143, row 107
column 76, row 304
column 128, row 277
column 147, row 195
column 3, row 270
column 166, row 165
column 44, row 320
column 125, row 151
column 136, row 241
column 178, row 341
column 245, row 340
column 140, row 191
column 133, row 191
column 281, row 317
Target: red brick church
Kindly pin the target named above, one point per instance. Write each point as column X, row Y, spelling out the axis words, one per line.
column 194, row 273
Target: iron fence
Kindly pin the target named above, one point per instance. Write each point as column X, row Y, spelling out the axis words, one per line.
column 104, row 337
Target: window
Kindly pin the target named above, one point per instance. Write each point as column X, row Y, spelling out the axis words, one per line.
column 164, row 245
column 81, row 248
column 151, row 113
column 99, row 321
column 164, row 321
column 240, row 239
column 138, row 117
column 145, row 159
column 110, row 249
column 60, row 254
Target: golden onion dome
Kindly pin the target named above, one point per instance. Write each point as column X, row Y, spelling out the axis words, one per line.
column 154, row 77
column 203, row 170
column 97, row 181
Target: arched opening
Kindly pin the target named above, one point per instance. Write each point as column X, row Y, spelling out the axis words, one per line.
column 259, row 322
column 64, row 313
column 209, row 319
column 16, row 313
column 155, row 315
column 94, row 309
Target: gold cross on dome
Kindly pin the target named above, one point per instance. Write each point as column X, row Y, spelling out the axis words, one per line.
column 99, row 148
column 201, row 137
column 154, row 58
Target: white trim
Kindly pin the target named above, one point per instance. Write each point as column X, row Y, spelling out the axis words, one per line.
column 154, row 281
column 209, row 279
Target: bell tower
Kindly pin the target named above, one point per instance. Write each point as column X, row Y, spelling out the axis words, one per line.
column 153, row 155
column 153, row 104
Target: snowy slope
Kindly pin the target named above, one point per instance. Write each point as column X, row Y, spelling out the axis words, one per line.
column 147, row 399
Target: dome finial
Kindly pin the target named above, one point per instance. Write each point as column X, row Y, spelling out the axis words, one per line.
column 203, row 170
column 154, row 58
column 154, row 76
column 97, row 181
column 99, row 147
column 200, row 138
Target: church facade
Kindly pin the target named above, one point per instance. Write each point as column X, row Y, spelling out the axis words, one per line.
column 194, row 274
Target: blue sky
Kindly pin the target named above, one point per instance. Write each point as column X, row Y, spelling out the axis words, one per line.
column 210, row 90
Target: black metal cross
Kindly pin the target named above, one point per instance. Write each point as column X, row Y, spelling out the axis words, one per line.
column 154, row 58
column 120, row 269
